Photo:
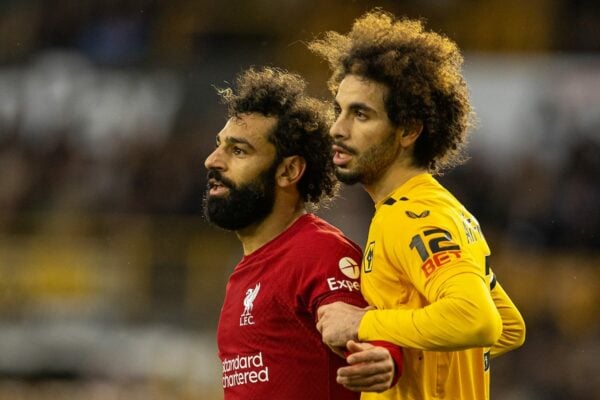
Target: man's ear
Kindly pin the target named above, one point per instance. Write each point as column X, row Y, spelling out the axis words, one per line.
column 410, row 133
column 290, row 170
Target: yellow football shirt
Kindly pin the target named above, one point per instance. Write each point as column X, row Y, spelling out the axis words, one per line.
column 424, row 252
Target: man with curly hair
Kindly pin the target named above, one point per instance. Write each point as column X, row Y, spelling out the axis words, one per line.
column 402, row 115
column 273, row 160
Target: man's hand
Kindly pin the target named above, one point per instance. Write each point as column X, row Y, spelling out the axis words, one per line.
column 338, row 323
column 371, row 368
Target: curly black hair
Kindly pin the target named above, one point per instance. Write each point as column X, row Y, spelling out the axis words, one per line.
column 422, row 71
column 302, row 125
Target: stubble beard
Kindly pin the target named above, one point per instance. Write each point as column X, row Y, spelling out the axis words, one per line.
column 371, row 164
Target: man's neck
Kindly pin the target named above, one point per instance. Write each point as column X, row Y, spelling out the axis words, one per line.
column 257, row 235
column 394, row 177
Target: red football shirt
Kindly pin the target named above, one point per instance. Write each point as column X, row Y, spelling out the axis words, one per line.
column 269, row 346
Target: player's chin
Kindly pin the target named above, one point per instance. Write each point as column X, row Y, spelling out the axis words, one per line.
column 344, row 169
column 347, row 175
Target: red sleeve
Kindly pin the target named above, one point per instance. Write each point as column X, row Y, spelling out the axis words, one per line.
column 355, row 299
column 396, row 353
column 335, row 276
column 332, row 274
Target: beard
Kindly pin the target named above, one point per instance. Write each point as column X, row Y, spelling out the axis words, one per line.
column 245, row 204
column 371, row 164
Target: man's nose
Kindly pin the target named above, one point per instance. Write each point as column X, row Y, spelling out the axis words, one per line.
column 339, row 129
column 215, row 160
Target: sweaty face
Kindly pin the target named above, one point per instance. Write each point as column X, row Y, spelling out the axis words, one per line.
column 365, row 140
column 241, row 173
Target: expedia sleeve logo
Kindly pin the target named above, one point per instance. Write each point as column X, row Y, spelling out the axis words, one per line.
column 349, row 268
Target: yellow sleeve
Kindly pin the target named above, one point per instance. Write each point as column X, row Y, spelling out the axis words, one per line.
column 462, row 316
column 460, row 312
column 513, row 325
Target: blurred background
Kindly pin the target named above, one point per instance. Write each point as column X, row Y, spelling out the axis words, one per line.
column 111, row 281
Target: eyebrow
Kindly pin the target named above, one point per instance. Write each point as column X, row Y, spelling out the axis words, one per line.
column 361, row 106
column 356, row 105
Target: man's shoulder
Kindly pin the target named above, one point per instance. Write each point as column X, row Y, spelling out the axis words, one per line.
column 317, row 239
column 318, row 231
column 405, row 216
column 406, row 209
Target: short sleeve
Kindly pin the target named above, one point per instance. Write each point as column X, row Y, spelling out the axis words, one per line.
column 332, row 274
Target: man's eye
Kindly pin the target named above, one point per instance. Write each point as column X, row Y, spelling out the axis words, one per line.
column 237, row 151
column 360, row 115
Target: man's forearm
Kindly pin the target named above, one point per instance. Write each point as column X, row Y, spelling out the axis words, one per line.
column 463, row 317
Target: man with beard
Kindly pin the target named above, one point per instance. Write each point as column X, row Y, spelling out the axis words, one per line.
column 271, row 160
column 402, row 115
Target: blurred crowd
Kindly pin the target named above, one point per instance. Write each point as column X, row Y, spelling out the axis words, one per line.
column 83, row 139
column 108, row 109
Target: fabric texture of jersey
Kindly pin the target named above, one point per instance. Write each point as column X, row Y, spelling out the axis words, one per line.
column 268, row 342
column 419, row 238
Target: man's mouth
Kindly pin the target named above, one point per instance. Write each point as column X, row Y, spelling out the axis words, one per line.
column 341, row 155
column 216, row 188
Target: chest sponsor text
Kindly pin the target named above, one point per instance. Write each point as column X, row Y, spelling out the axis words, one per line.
column 243, row 370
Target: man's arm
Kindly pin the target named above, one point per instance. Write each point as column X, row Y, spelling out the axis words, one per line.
column 462, row 315
column 366, row 372
column 376, row 366
column 373, row 367
column 513, row 325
